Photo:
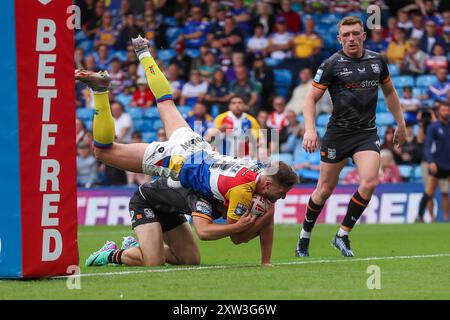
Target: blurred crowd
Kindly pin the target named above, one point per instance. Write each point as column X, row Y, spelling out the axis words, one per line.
column 237, row 65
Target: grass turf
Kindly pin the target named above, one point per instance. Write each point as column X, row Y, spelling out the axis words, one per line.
column 232, row 272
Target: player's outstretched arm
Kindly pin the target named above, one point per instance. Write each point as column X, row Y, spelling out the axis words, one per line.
column 393, row 103
column 207, row 230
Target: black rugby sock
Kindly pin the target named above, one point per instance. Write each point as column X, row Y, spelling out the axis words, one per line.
column 312, row 213
column 355, row 209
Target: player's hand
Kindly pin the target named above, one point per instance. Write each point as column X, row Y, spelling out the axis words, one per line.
column 246, row 220
column 433, row 167
column 310, row 141
column 399, row 135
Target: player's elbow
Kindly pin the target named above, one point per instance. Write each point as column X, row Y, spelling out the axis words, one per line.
column 238, row 239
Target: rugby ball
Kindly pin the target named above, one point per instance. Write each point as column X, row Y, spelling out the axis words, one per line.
column 259, row 205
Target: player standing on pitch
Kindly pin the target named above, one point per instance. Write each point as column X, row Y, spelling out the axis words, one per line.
column 352, row 76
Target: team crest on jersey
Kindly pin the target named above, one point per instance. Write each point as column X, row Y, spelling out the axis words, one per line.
column 240, row 209
column 375, row 67
column 149, row 214
column 318, row 75
column 331, row 153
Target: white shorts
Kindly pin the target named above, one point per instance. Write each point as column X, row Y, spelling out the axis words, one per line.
column 166, row 158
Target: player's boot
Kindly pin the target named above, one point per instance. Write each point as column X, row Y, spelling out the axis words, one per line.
column 97, row 81
column 343, row 245
column 100, row 257
column 140, row 45
column 129, row 242
column 302, row 249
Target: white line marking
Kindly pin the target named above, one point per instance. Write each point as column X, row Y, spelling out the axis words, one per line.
column 257, row 265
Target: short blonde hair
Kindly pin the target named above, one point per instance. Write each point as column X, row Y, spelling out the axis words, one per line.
column 348, row 21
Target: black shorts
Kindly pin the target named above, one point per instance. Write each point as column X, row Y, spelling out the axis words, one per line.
column 337, row 146
column 143, row 212
column 441, row 173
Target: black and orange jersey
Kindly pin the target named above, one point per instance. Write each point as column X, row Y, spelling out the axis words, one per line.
column 353, row 85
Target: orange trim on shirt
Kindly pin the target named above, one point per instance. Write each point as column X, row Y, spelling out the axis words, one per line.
column 201, row 215
column 319, row 86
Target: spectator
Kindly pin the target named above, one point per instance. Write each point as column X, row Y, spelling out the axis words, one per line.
column 389, row 172
column 418, row 28
column 258, row 43
column 226, row 62
column 208, row 67
column 230, row 35
column 151, row 28
column 245, row 88
column 437, row 60
column 430, row 38
column 195, row 30
column 106, row 35
column 142, row 97
column 134, row 178
column 351, row 177
column 102, row 57
column 296, row 103
column 410, row 105
column 430, row 12
column 172, row 75
column 80, row 130
column 236, row 127
column 118, row 76
column 414, row 61
column 307, row 164
column 410, row 152
column 439, row 90
column 122, row 122
column 292, row 18
column 388, row 33
column 308, row 44
column 217, row 18
column 183, row 61
column 199, row 119
column 193, row 89
column 90, row 16
column 79, row 58
column 292, row 134
column 262, row 118
column 388, row 140
column 446, row 29
column 437, row 150
column 264, row 75
column 242, row 16
column 131, row 58
column 277, row 118
column 280, row 42
column 403, row 20
column 265, row 16
column 217, row 93
column 129, row 30
column 377, row 42
column 397, row 49
column 86, row 166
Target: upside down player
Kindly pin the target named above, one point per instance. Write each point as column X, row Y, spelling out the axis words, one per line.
column 352, row 76
column 185, row 158
column 171, row 239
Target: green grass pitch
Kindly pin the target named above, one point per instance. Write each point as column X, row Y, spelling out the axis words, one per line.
column 414, row 262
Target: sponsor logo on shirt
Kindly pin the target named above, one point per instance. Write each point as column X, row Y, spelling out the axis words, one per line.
column 318, row 75
column 375, row 68
column 362, row 84
column 240, row 209
column 203, row 207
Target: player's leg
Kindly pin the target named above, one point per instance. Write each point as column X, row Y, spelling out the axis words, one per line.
column 368, row 164
column 427, row 196
column 123, row 156
column 170, row 116
column 181, row 245
column 444, row 186
column 328, row 179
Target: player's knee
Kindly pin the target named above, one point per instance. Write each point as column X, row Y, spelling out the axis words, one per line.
column 369, row 184
column 324, row 191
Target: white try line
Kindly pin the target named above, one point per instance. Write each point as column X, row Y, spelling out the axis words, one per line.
column 300, row 262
